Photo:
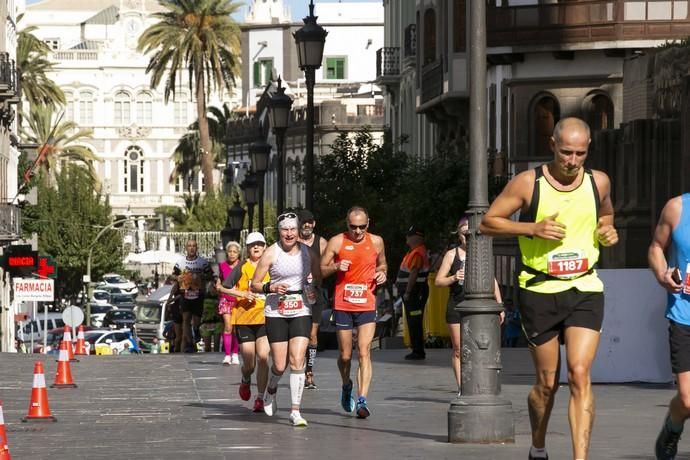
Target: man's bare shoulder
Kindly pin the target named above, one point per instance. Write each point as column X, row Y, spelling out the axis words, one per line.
column 522, row 184
column 600, row 177
column 376, row 239
column 673, row 208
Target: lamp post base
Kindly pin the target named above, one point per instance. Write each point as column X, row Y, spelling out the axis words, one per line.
column 480, row 419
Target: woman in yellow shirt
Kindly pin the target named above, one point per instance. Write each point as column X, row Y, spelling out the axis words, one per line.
column 249, row 323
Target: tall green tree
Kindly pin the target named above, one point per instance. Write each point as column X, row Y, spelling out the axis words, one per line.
column 201, row 38
column 33, row 67
column 397, row 190
column 62, row 147
column 67, row 219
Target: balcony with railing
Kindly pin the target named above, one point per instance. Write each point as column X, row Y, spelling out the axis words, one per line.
column 10, row 222
column 432, row 81
column 410, row 41
column 8, row 79
column 587, row 22
column 388, row 65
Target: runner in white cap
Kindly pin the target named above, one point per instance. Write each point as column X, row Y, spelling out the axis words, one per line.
column 287, row 310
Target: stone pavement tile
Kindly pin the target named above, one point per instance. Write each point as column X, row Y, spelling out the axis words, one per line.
column 186, row 406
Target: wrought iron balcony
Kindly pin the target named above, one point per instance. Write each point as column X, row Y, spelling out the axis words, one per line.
column 411, row 40
column 10, row 222
column 432, row 80
column 8, row 78
column 587, row 21
column 388, row 64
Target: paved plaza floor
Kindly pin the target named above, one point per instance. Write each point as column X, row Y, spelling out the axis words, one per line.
column 187, row 407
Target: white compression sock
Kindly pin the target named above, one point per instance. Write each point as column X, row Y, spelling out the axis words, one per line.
column 296, row 386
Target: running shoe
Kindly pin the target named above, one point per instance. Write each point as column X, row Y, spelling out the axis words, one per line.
column 271, row 402
column 234, row 358
column 530, row 457
column 666, row 443
column 362, row 408
column 227, row 360
column 258, row 404
column 245, row 390
column 346, row 400
column 309, row 383
column 296, row 419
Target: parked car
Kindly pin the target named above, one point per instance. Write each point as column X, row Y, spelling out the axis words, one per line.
column 98, row 313
column 119, row 319
column 118, row 281
column 35, row 327
column 122, row 301
column 100, row 297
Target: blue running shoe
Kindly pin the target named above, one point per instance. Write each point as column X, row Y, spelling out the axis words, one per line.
column 362, row 408
column 346, row 400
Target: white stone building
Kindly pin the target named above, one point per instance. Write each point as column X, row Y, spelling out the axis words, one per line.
column 107, row 89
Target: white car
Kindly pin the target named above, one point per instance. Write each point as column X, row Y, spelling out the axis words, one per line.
column 100, row 297
column 116, row 339
column 118, row 281
column 98, row 312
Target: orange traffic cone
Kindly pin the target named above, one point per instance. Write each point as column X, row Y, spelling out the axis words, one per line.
column 81, row 343
column 63, row 376
column 67, row 339
column 39, row 411
column 4, row 449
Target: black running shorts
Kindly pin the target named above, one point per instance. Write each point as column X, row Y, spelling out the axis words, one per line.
column 193, row 306
column 679, row 341
column 283, row 329
column 249, row 332
column 545, row 316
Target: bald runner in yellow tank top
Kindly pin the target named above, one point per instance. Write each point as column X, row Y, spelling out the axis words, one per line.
column 566, row 214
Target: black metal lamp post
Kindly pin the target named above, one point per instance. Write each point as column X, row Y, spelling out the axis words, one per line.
column 480, row 415
column 250, row 187
column 259, row 153
column 233, row 226
column 310, row 40
column 279, row 114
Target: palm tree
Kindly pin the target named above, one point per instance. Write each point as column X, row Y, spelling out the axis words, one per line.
column 59, row 141
column 33, row 67
column 200, row 37
column 186, row 155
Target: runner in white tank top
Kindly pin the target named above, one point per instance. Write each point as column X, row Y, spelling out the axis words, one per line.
column 287, row 311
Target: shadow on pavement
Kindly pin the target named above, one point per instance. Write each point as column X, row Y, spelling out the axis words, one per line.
column 245, row 415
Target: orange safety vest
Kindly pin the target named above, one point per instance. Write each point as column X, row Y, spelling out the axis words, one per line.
column 415, row 258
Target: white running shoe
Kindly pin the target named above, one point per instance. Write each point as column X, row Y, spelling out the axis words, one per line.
column 234, row 358
column 227, row 360
column 296, row 419
column 271, row 403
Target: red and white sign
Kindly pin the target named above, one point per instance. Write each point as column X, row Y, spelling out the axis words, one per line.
column 34, row 289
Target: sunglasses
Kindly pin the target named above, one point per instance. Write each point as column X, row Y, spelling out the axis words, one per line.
column 355, row 227
column 287, row 215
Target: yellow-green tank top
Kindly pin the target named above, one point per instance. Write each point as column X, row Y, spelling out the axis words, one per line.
column 569, row 263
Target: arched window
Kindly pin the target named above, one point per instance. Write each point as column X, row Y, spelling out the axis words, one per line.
column 144, row 109
column 69, row 106
column 181, row 117
column 545, row 114
column 598, row 111
column 86, row 108
column 123, row 108
column 429, row 36
column 134, row 170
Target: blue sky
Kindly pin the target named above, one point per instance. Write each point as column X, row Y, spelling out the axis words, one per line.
column 299, row 8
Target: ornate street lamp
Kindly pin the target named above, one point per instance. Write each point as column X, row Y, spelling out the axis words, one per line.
column 479, row 414
column 259, row 153
column 233, row 226
column 279, row 115
column 310, row 40
column 250, row 188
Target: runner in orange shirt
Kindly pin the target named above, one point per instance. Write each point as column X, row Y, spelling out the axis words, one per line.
column 358, row 258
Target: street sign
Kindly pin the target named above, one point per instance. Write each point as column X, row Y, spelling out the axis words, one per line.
column 73, row 316
column 33, row 289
